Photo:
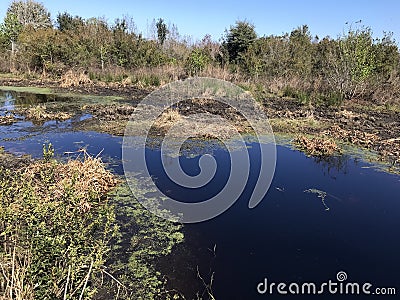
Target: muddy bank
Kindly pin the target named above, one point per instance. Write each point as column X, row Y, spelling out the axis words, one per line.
column 359, row 123
column 10, row 161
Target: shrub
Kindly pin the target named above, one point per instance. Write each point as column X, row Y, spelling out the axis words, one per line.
column 196, row 62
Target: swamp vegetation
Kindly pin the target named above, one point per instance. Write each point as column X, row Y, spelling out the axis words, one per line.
column 71, row 228
column 63, row 237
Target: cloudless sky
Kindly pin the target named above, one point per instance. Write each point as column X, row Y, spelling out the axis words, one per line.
column 197, row 18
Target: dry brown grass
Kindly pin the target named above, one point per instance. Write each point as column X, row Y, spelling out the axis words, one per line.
column 167, row 119
column 317, row 146
column 7, row 120
column 355, row 137
column 40, row 113
column 74, row 78
column 87, row 178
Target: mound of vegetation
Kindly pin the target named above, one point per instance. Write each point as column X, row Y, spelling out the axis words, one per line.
column 55, row 228
column 63, row 237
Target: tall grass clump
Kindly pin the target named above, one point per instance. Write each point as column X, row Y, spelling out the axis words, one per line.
column 56, row 225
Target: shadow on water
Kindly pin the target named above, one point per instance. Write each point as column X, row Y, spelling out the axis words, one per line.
column 288, row 237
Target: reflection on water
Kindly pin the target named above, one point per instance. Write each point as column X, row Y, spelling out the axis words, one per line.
column 289, row 237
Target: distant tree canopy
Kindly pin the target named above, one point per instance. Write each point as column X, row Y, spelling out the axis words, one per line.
column 67, row 22
column 354, row 64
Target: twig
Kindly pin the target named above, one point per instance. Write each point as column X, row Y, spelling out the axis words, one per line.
column 97, row 156
column 86, row 281
column 12, row 274
column 207, row 286
column 113, row 278
column 66, row 285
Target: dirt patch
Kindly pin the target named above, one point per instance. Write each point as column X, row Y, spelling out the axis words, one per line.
column 114, row 118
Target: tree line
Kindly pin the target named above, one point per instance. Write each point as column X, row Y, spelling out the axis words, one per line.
column 295, row 64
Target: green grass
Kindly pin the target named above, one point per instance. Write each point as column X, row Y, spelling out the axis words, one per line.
column 23, row 89
column 49, row 91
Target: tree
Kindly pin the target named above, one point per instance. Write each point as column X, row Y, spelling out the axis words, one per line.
column 100, row 37
column 162, row 31
column 11, row 28
column 238, row 39
column 196, row 62
column 21, row 14
column 67, row 22
column 30, row 13
column 351, row 63
column 268, row 57
column 301, row 51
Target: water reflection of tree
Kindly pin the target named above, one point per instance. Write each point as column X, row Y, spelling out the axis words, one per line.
column 25, row 99
column 192, row 147
column 7, row 101
column 334, row 163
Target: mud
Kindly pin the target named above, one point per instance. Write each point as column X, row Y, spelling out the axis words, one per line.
column 12, row 162
column 356, row 122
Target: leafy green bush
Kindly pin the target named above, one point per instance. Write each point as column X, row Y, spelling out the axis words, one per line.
column 196, row 62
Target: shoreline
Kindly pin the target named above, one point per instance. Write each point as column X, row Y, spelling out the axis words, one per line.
column 362, row 124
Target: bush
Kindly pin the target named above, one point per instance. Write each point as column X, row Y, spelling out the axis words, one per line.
column 196, row 62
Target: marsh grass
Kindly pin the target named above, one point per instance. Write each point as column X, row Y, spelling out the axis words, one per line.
column 55, row 229
column 73, row 230
column 317, row 146
column 7, row 120
column 40, row 113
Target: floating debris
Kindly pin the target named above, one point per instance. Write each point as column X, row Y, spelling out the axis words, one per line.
column 321, row 194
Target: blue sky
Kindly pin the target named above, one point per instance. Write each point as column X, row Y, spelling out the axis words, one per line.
column 197, row 18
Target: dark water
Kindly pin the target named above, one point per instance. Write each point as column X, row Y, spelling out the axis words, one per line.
column 289, row 237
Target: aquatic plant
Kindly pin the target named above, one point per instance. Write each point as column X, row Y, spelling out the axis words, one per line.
column 320, row 194
column 145, row 239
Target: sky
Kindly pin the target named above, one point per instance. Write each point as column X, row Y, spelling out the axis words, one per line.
column 197, row 18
